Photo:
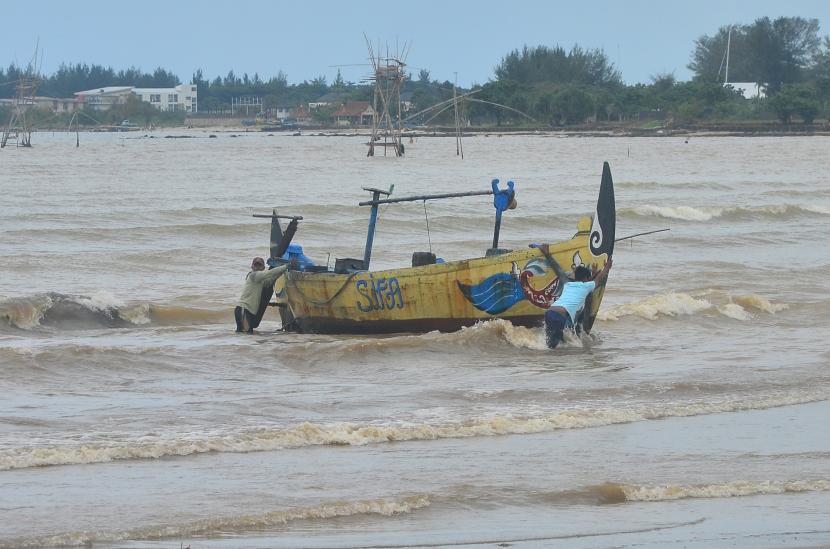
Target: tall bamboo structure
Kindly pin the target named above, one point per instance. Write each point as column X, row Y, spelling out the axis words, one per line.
column 24, row 100
column 387, row 120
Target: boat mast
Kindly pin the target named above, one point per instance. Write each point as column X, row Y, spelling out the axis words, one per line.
column 373, row 219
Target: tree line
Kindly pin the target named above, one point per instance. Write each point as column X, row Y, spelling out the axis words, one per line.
column 548, row 86
column 71, row 78
column 786, row 58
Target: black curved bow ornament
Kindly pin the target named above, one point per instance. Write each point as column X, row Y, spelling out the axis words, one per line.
column 601, row 239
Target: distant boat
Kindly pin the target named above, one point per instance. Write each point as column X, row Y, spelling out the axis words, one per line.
column 515, row 285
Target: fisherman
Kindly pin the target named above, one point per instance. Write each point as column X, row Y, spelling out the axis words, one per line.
column 563, row 312
column 259, row 283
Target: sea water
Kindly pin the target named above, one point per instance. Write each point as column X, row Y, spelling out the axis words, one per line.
column 131, row 415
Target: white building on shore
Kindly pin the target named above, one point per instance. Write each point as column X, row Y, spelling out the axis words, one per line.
column 182, row 98
column 750, row 90
column 103, row 99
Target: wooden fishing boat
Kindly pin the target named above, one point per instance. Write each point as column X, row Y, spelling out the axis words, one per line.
column 516, row 285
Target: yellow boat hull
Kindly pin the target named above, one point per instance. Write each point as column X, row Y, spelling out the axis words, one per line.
column 516, row 286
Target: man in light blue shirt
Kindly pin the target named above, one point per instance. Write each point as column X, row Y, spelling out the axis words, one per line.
column 563, row 312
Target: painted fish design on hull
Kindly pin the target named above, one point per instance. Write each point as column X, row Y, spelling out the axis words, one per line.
column 497, row 293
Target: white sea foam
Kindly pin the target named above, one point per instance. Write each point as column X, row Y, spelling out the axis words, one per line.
column 136, row 314
column 725, row 490
column 707, row 213
column 679, row 303
column 825, row 210
column 29, row 312
column 759, row 303
column 518, row 336
column 101, row 300
column 671, row 304
column 734, row 311
column 686, row 213
column 488, row 331
column 381, row 506
column 352, row 434
column 101, row 307
column 25, row 313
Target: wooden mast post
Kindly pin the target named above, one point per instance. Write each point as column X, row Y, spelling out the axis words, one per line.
column 373, row 219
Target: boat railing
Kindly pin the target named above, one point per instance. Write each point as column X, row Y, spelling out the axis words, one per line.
column 503, row 199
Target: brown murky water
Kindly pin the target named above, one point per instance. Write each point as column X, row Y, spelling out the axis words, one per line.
column 132, row 415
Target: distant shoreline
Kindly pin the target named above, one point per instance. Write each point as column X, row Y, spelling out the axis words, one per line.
column 692, row 130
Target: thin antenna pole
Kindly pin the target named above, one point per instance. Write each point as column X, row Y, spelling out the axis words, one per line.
column 728, row 46
column 426, row 217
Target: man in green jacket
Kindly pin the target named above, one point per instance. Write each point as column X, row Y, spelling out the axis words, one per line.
column 259, row 283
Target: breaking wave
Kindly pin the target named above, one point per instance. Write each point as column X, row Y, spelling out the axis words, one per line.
column 381, row 506
column 354, row 434
column 679, row 304
column 726, row 490
column 483, row 335
column 704, row 213
column 101, row 309
column 611, row 493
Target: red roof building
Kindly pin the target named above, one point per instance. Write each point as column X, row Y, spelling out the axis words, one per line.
column 354, row 113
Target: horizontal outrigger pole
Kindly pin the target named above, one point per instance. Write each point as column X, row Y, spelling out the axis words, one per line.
column 375, row 202
column 503, row 200
column 275, row 216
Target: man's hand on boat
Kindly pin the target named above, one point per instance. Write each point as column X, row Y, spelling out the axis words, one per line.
column 599, row 275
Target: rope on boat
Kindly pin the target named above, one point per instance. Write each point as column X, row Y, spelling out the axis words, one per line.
column 326, row 301
column 426, row 217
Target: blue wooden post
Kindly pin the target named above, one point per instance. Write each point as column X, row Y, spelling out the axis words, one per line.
column 497, row 229
column 501, row 201
column 370, row 236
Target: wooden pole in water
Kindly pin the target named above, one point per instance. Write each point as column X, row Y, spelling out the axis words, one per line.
column 459, row 149
column 77, row 129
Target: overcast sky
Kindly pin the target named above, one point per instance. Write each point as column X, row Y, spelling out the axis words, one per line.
column 308, row 39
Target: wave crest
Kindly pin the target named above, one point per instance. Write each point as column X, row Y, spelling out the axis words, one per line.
column 482, row 335
column 681, row 304
column 725, row 490
column 100, row 309
column 351, row 434
column 707, row 213
column 612, row 493
column 381, row 506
